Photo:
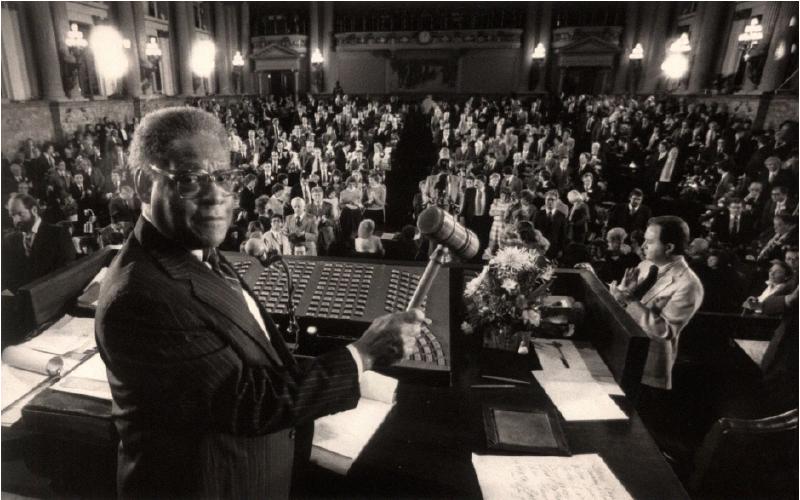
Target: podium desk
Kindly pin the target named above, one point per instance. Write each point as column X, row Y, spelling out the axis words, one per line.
column 424, row 447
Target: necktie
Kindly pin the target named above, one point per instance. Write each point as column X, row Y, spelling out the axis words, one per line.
column 479, row 202
column 212, row 258
column 27, row 243
column 642, row 288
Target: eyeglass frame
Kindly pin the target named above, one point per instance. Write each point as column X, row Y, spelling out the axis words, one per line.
column 174, row 177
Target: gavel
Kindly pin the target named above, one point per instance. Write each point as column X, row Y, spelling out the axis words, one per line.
column 449, row 236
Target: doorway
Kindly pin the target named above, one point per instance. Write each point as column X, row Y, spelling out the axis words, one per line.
column 585, row 80
column 279, row 83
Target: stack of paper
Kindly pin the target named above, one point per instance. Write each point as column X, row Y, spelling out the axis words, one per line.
column 558, row 478
column 27, row 366
column 578, row 392
column 88, row 379
column 91, row 293
column 340, row 438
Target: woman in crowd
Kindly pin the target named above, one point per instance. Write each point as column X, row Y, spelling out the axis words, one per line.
column 375, row 206
column 498, row 213
column 578, row 220
column 367, row 242
column 351, row 208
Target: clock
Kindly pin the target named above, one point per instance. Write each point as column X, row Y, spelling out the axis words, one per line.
column 424, row 37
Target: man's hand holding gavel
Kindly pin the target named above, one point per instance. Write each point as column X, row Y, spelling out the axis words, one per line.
column 389, row 338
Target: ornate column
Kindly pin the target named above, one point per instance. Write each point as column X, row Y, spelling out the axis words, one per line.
column 778, row 53
column 629, row 40
column 40, row 19
column 327, row 45
column 658, row 15
column 127, row 25
column 527, row 46
column 706, row 46
column 146, row 68
column 223, row 57
column 183, row 37
column 247, row 74
column 545, row 28
column 313, row 45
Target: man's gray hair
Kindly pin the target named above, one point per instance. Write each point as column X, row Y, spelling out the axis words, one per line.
column 153, row 140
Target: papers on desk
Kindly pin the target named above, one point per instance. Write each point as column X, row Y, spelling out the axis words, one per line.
column 66, row 335
column 579, row 392
column 88, row 299
column 755, row 349
column 340, row 438
column 29, row 365
column 580, row 477
column 88, row 379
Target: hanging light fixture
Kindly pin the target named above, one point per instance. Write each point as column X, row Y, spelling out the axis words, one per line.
column 539, row 52
column 637, row 54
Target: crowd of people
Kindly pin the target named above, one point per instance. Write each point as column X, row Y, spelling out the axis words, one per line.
column 577, row 177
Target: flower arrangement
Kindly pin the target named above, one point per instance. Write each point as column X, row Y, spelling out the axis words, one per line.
column 504, row 299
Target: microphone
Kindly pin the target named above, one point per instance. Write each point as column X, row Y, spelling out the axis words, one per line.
column 442, row 228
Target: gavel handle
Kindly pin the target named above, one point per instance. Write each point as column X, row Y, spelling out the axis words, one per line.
column 437, row 258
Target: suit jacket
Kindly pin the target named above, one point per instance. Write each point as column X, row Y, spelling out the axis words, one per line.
column 247, row 202
column 52, row 249
column 120, row 211
column 554, row 230
column 779, row 363
column 722, row 227
column 621, row 216
column 578, row 224
column 203, row 401
column 683, row 292
column 755, row 165
column 278, row 244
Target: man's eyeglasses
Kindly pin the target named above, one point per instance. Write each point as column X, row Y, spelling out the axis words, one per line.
column 190, row 183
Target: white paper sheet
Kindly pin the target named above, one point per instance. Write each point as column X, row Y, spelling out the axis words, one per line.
column 67, row 335
column 20, row 386
column 755, row 349
column 88, row 379
column 580, row 477
column 16, row 383
column 577, row 381
column 345, row 434
column 580, row 401
column 584, row 364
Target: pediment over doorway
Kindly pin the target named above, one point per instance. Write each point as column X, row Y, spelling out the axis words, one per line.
column 589, row 51
column 589, row 45
column 275, row 51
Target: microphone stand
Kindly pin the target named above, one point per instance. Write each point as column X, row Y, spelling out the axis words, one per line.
column 292, row 328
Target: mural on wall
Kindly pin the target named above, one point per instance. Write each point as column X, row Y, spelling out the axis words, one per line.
column 418, row 74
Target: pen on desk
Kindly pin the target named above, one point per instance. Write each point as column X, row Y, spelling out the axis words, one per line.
column 505, row 379
column 492, row 386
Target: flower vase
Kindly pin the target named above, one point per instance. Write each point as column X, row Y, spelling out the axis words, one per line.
column 506, row 338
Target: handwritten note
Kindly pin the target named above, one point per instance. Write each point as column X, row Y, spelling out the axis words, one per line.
column 580, row 477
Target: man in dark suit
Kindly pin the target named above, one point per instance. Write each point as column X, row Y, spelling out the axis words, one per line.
column 206, row 393
column 779, row 202
column 775, row 175
column 553, row 224
column 35, row 248
column 734, row 226
column 124, row 207
column 630, row 216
